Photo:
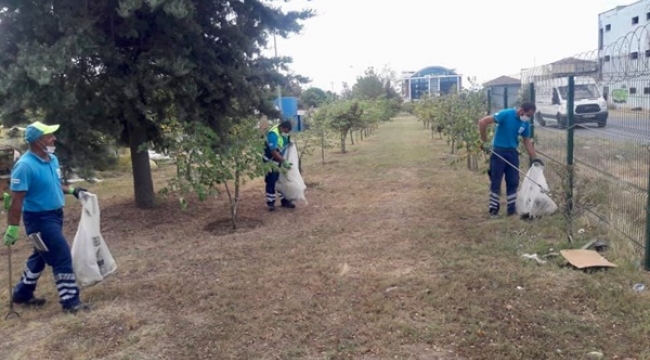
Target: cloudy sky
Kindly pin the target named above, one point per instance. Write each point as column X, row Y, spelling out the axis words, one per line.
column 482, row 38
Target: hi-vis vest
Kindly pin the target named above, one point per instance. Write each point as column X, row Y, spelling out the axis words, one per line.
column 276, row 130
column 281, row 145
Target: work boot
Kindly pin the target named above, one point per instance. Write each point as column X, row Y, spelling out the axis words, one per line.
column 271, row 206
column 494, row 213
column 76, row 308
column 287, row 204
column 32, row 302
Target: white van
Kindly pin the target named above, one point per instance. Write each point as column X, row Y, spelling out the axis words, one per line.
column 551, row 101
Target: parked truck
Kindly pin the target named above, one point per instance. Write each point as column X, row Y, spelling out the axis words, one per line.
column 551, row 101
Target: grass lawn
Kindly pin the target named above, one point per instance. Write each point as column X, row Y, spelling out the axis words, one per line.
column 393, row 258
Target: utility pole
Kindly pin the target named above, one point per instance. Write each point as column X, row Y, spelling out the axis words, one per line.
column 275, row 46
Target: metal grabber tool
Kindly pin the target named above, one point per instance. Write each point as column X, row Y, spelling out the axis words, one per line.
column 543, row 191
column 7, row 204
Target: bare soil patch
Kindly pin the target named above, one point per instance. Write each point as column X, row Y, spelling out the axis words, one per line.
column 224, row 226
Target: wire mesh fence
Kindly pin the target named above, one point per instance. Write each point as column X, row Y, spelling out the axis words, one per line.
column 592, row 128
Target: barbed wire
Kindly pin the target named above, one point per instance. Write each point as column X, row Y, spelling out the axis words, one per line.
column 626, row 58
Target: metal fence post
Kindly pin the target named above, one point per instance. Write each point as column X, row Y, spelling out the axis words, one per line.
column 531, row 91
column 489, row 101
column 505, row 97
column 646, row 260
column 569, row 153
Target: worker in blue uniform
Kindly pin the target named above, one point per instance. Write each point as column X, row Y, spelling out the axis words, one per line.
column 37, row 194
column 277, row 142
column 510, row 124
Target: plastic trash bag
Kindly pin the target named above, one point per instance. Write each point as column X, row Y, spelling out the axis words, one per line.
column 531, row 200
column 291, row 184
column 91, row 259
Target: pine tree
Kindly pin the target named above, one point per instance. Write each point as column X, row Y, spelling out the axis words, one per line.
column 121, row 69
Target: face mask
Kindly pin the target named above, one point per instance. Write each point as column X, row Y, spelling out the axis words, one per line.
column 525, row 118
column 49, row 149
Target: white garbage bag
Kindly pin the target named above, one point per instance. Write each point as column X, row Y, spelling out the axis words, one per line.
column 531, row 200
column 291, row 184
column 91, row 259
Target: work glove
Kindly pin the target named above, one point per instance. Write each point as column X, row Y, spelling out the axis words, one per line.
column 487, row 147
column 6, row 201
column 11, row 235
column 536, row 160
column 287, row 165
column 75, row 191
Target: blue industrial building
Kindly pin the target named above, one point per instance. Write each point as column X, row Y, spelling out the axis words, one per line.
column 436, row 80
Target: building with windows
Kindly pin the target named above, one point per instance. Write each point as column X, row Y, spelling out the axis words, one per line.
column 504, row 92
column 624, row 55
column 436, row 80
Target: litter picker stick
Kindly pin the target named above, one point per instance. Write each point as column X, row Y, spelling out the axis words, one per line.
column 544, row 191
column 7, row 204
column 11, row 301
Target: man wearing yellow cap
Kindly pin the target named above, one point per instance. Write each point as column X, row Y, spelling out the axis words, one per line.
column 38, row 194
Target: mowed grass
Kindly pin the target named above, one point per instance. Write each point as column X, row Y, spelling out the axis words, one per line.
column 393, row 258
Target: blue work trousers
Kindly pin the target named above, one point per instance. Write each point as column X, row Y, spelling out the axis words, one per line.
column 50, row 225
column 270, row 179
column 498, row 169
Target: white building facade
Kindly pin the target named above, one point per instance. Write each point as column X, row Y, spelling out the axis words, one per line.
column 624, row 55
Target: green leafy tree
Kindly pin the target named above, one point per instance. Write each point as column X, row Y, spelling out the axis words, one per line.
column 124, row 68
column 312, row 97
column 370, row 86
column 331, row 97
column 203, row 167
column 320, row 133
column 343, row 117
column 456, row 117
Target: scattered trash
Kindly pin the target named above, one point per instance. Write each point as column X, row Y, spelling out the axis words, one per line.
column 156, row 156
column 601, row 245
column 597, row 244
column 345, row 268
column 519, row 288
column 584, row 259
column 551, row 255
column 581, row 231
column 638, row 287
column 91, row 180
column 392, row 288
column 534, row 257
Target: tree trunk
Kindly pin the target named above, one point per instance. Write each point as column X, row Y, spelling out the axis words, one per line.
column 235, row 204
column 145, row 197
column 343, row 135
column 322, row 147
column 233, row 199
column 351, row 137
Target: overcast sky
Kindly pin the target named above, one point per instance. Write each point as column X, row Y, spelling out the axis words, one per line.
column 482, row 38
